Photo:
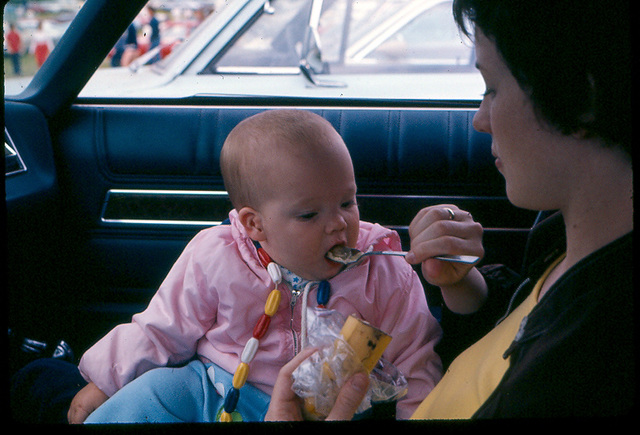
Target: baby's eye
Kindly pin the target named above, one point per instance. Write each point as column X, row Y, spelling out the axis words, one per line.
column 307, row 216
column 349, row 203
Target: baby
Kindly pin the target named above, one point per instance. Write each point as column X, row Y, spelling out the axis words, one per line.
column 229, row 314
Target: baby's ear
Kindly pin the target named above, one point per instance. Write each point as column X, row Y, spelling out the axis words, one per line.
column 251, row 220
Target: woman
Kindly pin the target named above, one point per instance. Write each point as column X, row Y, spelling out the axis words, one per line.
column 557, row 105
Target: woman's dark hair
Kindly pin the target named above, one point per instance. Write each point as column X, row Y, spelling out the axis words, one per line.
column 573, row 57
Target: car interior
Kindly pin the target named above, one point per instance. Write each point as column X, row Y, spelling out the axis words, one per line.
column 102, row 195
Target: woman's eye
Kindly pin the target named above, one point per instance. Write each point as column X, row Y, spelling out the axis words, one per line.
column 487, row 92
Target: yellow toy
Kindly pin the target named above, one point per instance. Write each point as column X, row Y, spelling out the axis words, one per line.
column 360, row 345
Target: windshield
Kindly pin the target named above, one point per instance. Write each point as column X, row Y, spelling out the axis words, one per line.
column 274, row 40
column 354, row 36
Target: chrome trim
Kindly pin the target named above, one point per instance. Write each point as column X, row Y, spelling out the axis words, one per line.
column 128, row 221
column 258, row 70
column 170, row 192
column 12, row 150
column 159, row 192
column 146, row 222
column 270, row 107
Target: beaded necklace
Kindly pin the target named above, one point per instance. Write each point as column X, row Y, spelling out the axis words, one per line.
column 271, row 307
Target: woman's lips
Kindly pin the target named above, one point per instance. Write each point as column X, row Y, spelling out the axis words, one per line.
column 497, row 162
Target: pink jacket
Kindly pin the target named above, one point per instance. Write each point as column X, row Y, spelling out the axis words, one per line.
column 216, row 291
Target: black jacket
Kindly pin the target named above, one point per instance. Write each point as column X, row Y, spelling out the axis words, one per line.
column 574, row 355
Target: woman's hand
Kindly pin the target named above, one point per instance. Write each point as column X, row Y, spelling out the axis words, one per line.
column 287, row 406
column 447, row 230
column 444, row 230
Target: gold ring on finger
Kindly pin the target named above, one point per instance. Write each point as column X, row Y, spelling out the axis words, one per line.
column 452, row 215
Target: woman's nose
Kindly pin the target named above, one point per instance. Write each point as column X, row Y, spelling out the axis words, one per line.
column 481, row 120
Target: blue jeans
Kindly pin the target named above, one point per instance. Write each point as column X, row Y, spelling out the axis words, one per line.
column 15, row 60
column 193, row 393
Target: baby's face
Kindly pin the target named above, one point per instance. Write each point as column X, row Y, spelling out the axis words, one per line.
column 312, row 209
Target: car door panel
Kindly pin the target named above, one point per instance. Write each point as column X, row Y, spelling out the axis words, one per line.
column 137, row 182
column 163, row 164
column 33, row 220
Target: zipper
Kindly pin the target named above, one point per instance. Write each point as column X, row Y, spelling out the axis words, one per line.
column 294, row 298
column 522, row 285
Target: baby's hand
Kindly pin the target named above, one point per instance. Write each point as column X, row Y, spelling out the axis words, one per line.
column 444, row 230
column 85, row 402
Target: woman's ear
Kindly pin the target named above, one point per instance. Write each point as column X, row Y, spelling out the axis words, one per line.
column 251, row 220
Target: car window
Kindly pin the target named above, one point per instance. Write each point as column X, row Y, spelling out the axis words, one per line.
column 31, row 31
column 423, row 38
column 354, row 36
column 298, row 48
column 274, row 40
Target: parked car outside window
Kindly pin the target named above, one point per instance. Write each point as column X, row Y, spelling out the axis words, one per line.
column 395, row 49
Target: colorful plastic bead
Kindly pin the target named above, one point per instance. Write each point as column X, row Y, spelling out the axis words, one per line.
column 274, row 272
column 241, row 375
column 273, row 302
column 323, row 293
column 261, row 327
column 250, row 350
column 264, row 257
column 231, row 401
column 251, row 347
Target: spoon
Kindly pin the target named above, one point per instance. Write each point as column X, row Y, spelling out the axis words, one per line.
column 349, row 256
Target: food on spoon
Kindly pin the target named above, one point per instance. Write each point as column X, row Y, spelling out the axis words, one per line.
column 343, row 254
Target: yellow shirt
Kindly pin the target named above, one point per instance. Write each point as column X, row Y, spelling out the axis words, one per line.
column 475, row 373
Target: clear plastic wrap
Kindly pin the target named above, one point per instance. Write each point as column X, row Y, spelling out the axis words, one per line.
column 319, row 378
